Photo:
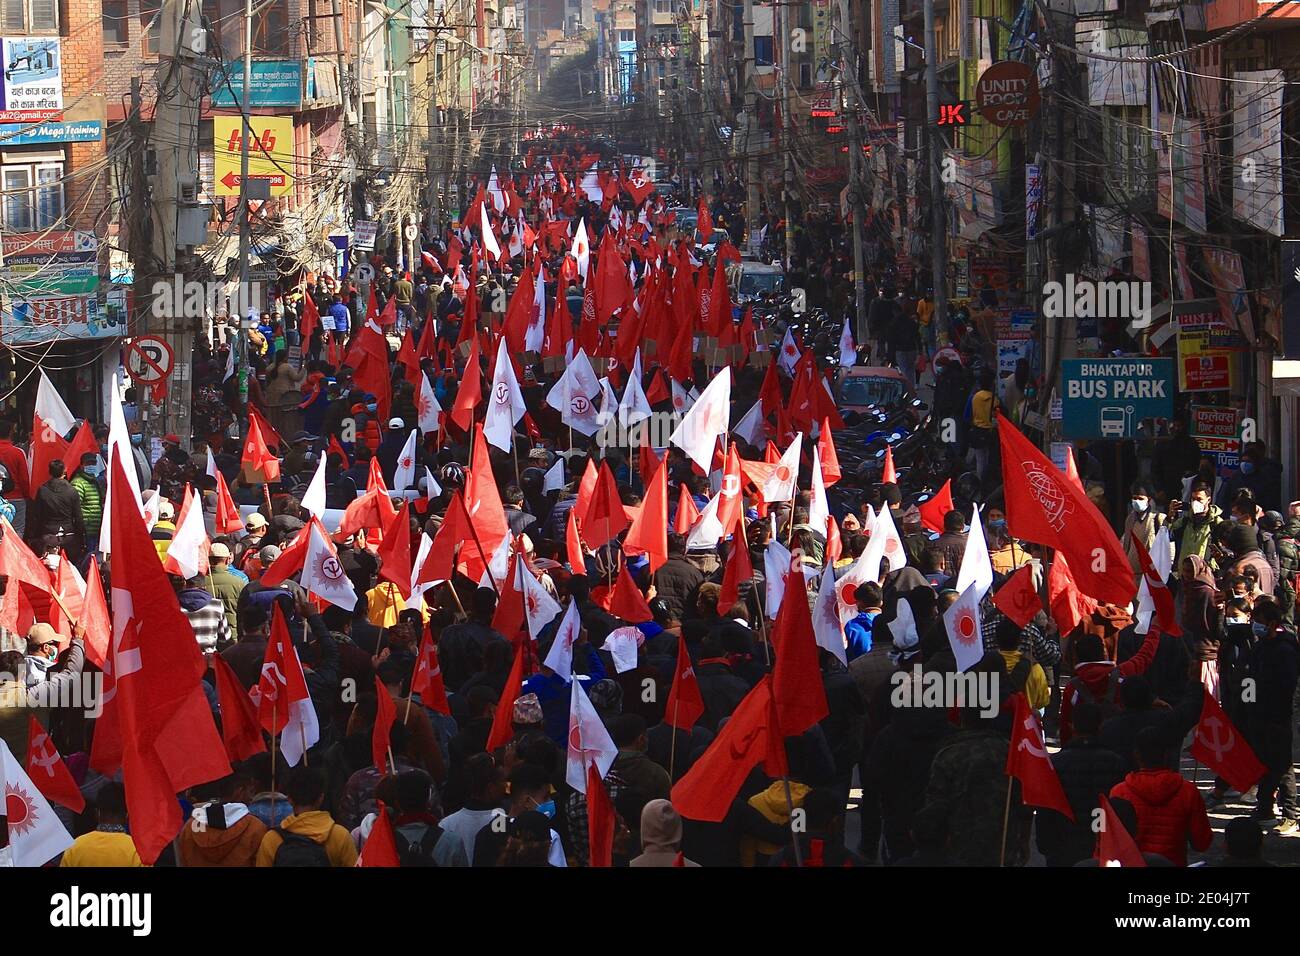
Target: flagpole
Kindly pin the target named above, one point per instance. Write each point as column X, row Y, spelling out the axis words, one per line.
column 487, row 562
column 794, row 837
column 302, row 733
column 1006, row 818
column 672, row 750
column 274, row 821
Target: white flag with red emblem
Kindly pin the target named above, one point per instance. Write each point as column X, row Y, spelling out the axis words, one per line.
column 573, row 396
column 682, row 399
column 819, row 509
column 560, row 657
column 322, row 573
column 404, row 473
column 35, row 834
column 581, row 250
column 848, row 350
column 589, row 741
column 827, row 627
column 539, row 607
column 976, row 566
column 427, row 407
column 698, row 432
column 865, row 568
column 489, row 237
column 962, row 622
column 780, row 486
column 313, row 499
column 505, row 405
column 790, row 353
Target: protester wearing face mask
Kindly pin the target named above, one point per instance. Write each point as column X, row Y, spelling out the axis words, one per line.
column 85, row 481
column 1192, row 523
column 29, row 682
column 1005, row 553
column 529, row 790
column 143, row 470
column 56, row 510
column 1144, row 520
column 1270, row 713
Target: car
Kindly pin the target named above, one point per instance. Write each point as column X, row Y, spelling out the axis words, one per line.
column 861, row 388
column 716, row 238
column 751, row 278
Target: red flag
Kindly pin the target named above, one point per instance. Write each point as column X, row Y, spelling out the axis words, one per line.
column 310, row 319
column 889, row 476
column 1115, row 845
column 739, row 568
column 600, row 819
column 385, row 717
column 826, row 452
column 1067, row 604
column 626, row 601
column 687, row 511
column 934, row 508
column 1166, row 619
column 258, row 462
column 1028, row 762
column 834, row 546
column 20, row 565
column 503, row 720
column 605, row 518
column 389, row 315
column 685, row 704
column 47, row 770
column 83, row 443
column 334, row 448
column 94, row 617
column 483, row 506
column 427, row 679
column 1071, row 469
column 470, row 391
column 268, row 431
column 169, row 741
column 1221, row 747
column 228, row 517
column 750, row 737
column 648, row 533
column 1018, row 598
column 455, row 528
column 796, row 678
column 703, row 221
column 730, row 500
column 239, row 727
column 381, row 845
column 407, row 358
column 395, row 550
column 586, row 488
column 1043, row 506
column 510, row 615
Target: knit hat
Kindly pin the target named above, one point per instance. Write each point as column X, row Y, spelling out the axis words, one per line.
column 607, row 697
column 1242, row 538
column 661, row 825
column 527, row 710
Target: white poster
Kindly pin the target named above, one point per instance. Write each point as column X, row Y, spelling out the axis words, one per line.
column 1257, row 149
column 32, row 86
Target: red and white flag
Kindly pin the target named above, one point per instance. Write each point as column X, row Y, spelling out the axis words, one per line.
column 848, row 350
column 322, row 574
column 560, row 657
column 698, row 432
column 489, row 237
column 1154, row 598
column 962, row 622
column 1028, row 762
column 427, row 679
column 51, row 420
column 505, row 405
column 581, row 252
column 284, row 706
column 47, row 770
column 187, row 555
column 589, row 741
column 34, row 834
column 427, row 408
column 827, row 626
column 782, row 483
column 790, row 353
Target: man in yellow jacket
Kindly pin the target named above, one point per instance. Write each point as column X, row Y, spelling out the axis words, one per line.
column 1022, row 673
column 310, row 825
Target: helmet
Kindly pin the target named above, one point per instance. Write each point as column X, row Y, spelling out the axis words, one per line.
column 452, row 476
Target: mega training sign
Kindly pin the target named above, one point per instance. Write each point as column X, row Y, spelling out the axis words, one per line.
column 1108, row 398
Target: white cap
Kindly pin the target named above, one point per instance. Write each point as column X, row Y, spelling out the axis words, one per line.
column 396, row 423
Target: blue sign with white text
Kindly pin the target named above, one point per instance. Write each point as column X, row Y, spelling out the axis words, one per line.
column 1110, row 397
column 270, row 83
column 33, row 134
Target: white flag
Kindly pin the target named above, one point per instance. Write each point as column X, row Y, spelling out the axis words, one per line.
column 826, row 617
column 622, row 645
column 539, row 607
column 573, row 396
column 404, row 473
column 230, row 362
column 581, row 249
column 790, row 354
column 495, row 192
column 698, row 432
column 490, row 243
column 884, row 528
column 751, row 426
column 51, row 410
column 560, row 657
column 819, row 509
column 865, row 568
column 119, row 445
column 416, row 601
column 313, row 499
column 962, row 621
column 976, row 567
column 682, row 400
column 776, row 565
column 780, row 485
column 427, row 407
column 608, row 403
column 589, row 741
column 431, row 487
column 1162, row 560
column 499, row 566
column 708, row 530
column 633, row 407
column 505, row 404
column 322, row 574
column 535, row 335
column 35, row 834
column 903, row 626
column 187, row 555
column 848, row 351
column 554, row 477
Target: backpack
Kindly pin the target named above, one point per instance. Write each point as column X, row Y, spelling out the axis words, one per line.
column 1019, row 675
column 298, row 850
column 413, row 850
column 1107, row 703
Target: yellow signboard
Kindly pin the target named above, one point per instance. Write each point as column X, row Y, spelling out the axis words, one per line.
column 270, row 153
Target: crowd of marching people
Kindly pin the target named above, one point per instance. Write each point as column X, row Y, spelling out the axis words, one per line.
column 435, row 609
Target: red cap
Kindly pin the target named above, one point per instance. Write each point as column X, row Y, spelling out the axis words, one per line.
column 172, row 438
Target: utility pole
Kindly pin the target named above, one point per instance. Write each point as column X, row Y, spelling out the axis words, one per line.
column 787, row 133
column 938, row 214
column 751, row 133
column 172, row 189
column 245, row 228
column 857, row 181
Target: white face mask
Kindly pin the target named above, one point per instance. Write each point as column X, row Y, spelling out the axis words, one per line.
column 51, row 561
column 1140, row 505
column 1198, row 507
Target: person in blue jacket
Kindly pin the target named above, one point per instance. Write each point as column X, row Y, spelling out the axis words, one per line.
column 870, row 600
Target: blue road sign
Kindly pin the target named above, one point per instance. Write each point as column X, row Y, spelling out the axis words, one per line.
column 1109, row 397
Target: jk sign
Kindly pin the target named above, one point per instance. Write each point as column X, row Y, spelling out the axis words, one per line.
column 1108, row 398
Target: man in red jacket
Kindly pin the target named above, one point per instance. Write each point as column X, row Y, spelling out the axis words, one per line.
column 1170, row 811
column 1098, row 679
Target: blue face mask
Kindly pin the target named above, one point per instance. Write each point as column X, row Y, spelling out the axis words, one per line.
column 547, row 808
column 998, row 524
column 1260, row 630
column 1247, row 467
column 372, row 408
column 92, row 470
column 137, row 439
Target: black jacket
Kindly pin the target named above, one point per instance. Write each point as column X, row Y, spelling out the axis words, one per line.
column 895, row 775
column 1274, row 663
column 721, row 690
column 56, row 508
column 677, row 580
column 1086, row 769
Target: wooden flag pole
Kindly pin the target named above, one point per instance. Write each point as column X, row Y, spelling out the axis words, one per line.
column 274, row 821
column 672, row 750
column 302, row 732
column 1006, row 818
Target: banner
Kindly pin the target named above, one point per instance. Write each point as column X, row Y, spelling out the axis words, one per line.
column 1257, row 149
column 270, row 153
column 32, row 85
column 1201, row 368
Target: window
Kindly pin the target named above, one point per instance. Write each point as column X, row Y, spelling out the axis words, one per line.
column 663, row 7
column 150, row 26
column 626, row 36
column 805, row 75
column 116, row 29
column 762, row 51
column 211, row 10
column 33, row 195
column 271, row 29
column 29, row 16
